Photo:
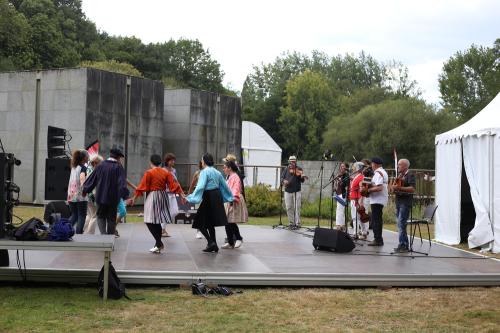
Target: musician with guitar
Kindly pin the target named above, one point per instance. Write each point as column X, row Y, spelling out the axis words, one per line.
column 403, row 187
column 292, row 178
column 379, row 196
column 360, row 218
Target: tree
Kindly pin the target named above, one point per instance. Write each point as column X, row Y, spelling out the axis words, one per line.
column 113, row 66
column 407, row 124
column 15, row 36
column 470, row 80
column 310, row 102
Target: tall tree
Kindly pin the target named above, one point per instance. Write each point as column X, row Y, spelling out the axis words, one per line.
column 470, row 80
column 407, row 124
column 310, row 102
column 15, row 38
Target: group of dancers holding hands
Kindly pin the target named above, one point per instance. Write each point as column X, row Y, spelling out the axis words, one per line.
column 96, row 190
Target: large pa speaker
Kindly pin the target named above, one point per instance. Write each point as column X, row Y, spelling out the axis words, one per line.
column 57, row 171
column 332, row 240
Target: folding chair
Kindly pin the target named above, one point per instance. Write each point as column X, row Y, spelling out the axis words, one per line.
column 427, row 218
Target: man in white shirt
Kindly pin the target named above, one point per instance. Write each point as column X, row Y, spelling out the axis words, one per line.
column 379, row 196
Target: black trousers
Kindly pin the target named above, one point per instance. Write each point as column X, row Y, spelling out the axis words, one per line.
column 377, row 222
column 233, row 233
column 155, row 230
column 106, row 218
column 209, row 233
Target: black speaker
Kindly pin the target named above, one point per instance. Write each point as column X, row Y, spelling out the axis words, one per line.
column 57, row 171
column 56, row 207
column 332, row 240
column 56, row 142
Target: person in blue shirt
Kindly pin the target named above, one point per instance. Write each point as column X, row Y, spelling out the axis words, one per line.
column 212, row 191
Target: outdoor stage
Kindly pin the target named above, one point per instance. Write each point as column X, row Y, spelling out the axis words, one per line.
column 267, row 258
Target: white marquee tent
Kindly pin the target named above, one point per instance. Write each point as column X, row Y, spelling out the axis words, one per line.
column 476, row 144
column 259, row 149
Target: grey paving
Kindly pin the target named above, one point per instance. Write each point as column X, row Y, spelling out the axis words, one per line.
column 267, row 257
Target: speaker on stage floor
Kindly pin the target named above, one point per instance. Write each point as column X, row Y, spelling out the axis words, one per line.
column 57, row 171
column 332, row 240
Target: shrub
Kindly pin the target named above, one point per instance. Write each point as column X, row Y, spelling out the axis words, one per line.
column 311, row 209
column 262, row 201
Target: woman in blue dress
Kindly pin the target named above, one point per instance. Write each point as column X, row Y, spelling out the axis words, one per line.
column 212, row 191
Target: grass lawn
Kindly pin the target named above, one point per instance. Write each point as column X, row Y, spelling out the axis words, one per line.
column 167, row 309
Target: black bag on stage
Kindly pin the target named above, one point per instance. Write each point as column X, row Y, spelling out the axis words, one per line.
column 332, row 240
column 116, row 289
column 31, row 230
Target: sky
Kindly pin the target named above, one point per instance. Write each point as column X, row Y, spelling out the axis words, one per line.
column 421, row 34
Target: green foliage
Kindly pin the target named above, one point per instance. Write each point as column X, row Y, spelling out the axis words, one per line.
column 311, row 209
column 309, row 105
column 470, row 80
column 54, row 33
column 261, row 201
column 267, row 94
column 113, row 66
column 408, row 125
column 15, row 37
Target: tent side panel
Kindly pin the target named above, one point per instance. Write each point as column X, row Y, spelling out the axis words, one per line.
column 448, row 192
column 496, row 194
column 477, row 162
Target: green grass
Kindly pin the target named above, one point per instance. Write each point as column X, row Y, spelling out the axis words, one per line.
column 52, row 308
column 58, row 309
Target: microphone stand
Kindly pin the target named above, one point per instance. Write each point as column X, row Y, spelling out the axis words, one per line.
column 280, row 225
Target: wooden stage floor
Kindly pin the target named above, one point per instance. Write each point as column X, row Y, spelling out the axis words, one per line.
column 268, row 257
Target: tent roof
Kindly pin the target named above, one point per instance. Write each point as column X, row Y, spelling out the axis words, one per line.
column 255, row 137
column 486, row 122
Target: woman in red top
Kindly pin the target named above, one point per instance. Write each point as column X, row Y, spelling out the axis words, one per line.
column 158, row 182
column 357, row 201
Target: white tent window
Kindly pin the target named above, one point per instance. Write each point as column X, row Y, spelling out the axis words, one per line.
column 476, row 143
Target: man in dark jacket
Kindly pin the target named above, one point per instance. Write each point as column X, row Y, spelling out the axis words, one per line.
column 110, row 183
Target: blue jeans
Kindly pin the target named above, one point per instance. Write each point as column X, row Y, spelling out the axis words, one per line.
column 78, row 214
column 402, row 214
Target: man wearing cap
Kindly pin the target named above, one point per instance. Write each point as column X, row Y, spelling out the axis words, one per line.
column 110, row 183
column 379, row 196
column 292, row 178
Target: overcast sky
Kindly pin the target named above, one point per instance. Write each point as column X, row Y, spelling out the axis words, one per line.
column 239, row 34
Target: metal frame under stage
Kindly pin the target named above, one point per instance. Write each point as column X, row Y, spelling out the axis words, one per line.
column 259, row 279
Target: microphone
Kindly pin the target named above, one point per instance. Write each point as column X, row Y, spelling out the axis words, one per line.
column 328, row 156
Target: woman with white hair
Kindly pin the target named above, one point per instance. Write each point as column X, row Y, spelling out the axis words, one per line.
column 357, row 207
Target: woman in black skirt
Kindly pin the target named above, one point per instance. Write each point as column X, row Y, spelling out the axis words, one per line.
column 213, row 190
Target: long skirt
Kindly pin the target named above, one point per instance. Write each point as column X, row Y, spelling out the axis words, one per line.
column 211, row 212
column 237, row 213
column 156, row 209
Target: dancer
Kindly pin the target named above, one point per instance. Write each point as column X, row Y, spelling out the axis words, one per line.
column 236, row 211
column 109, row 180
column 91, row 219
column 194, row 181
column 169, row 162
column 212, row 188
column 156, row 181
column 78, row 202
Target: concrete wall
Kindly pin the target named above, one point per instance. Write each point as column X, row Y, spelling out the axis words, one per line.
column 90, row 104
column 311, row 187
column 206, row 117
